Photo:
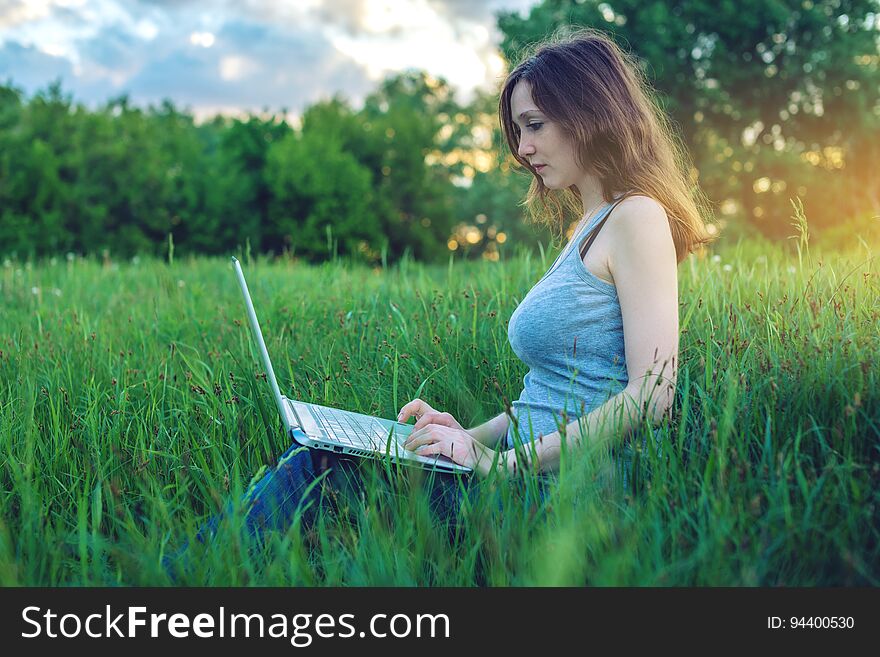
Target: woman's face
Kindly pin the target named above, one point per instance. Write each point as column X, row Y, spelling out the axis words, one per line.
column 542, row 142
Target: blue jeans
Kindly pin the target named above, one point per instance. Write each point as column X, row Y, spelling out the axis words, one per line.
column 303, row 481
column 306, row 480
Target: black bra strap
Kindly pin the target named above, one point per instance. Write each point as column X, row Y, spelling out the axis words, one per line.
column 588, row 241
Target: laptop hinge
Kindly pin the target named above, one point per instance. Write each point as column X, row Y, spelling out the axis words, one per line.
column 290, row 415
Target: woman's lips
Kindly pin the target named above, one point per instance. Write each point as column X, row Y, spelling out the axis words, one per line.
column 539, row 167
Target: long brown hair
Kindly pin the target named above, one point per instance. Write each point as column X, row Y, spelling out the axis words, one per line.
column 599, row 96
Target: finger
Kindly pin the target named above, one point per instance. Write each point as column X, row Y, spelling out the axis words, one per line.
column 414, row 440
column 431, row 449
column 419, row 438
column 438, row 448
column 433, row 417
column 450, row 421
column 416, row 407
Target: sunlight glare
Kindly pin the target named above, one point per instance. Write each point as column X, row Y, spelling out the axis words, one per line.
column 203, row 39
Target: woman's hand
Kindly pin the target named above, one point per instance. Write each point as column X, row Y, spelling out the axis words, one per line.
column 440, row 433
column 426, row 415
column 458, row 445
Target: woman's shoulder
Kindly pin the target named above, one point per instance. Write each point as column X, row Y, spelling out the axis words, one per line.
column 636, row 204
column 639, row 224
column 636, row 212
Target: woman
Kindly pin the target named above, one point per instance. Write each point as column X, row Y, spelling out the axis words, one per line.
column 599, row 331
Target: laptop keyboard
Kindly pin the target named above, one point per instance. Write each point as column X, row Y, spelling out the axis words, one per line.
column 352, row 428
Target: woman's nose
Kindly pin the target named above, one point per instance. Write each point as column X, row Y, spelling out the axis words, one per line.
column 525, row 148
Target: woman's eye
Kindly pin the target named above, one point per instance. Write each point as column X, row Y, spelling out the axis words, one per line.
column 536, row 125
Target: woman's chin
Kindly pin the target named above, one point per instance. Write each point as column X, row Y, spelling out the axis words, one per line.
column 552, row 183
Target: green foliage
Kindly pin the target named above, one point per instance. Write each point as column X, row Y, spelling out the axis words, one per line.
column 116, row 178
column 122, row 179
column 492, row 202
column 404, row 118
column 317, row 189
column 239, row 197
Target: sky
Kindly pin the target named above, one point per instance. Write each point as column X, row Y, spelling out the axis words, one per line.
column 236, row 56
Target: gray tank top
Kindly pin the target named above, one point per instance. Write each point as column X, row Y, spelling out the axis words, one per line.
column 569, row 331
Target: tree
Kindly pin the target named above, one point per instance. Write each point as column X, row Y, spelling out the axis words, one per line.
column 318, row 191
column 239, row 196
column 399, row 137
column 33, row 192
column 405, row 117
column 491, row 203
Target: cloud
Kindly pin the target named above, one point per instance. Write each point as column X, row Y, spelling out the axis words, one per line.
column 115, row 47
column 467, row 10
column 370, row 17
column 170, row 4
column 151, row 57
column 15, row 12
column 251, row 66
column 248, row 54
column 30, row 68
column 350, row 15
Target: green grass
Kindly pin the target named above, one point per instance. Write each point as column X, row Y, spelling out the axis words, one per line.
column 131, row 408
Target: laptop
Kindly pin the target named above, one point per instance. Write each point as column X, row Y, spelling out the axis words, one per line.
column 336, row 430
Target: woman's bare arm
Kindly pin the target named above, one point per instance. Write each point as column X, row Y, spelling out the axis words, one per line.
column 490, row 433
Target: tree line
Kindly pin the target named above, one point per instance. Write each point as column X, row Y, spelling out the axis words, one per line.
column 774, row 101
column 125, row 179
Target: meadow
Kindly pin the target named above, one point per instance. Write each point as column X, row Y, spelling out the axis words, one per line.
column 133, row 406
